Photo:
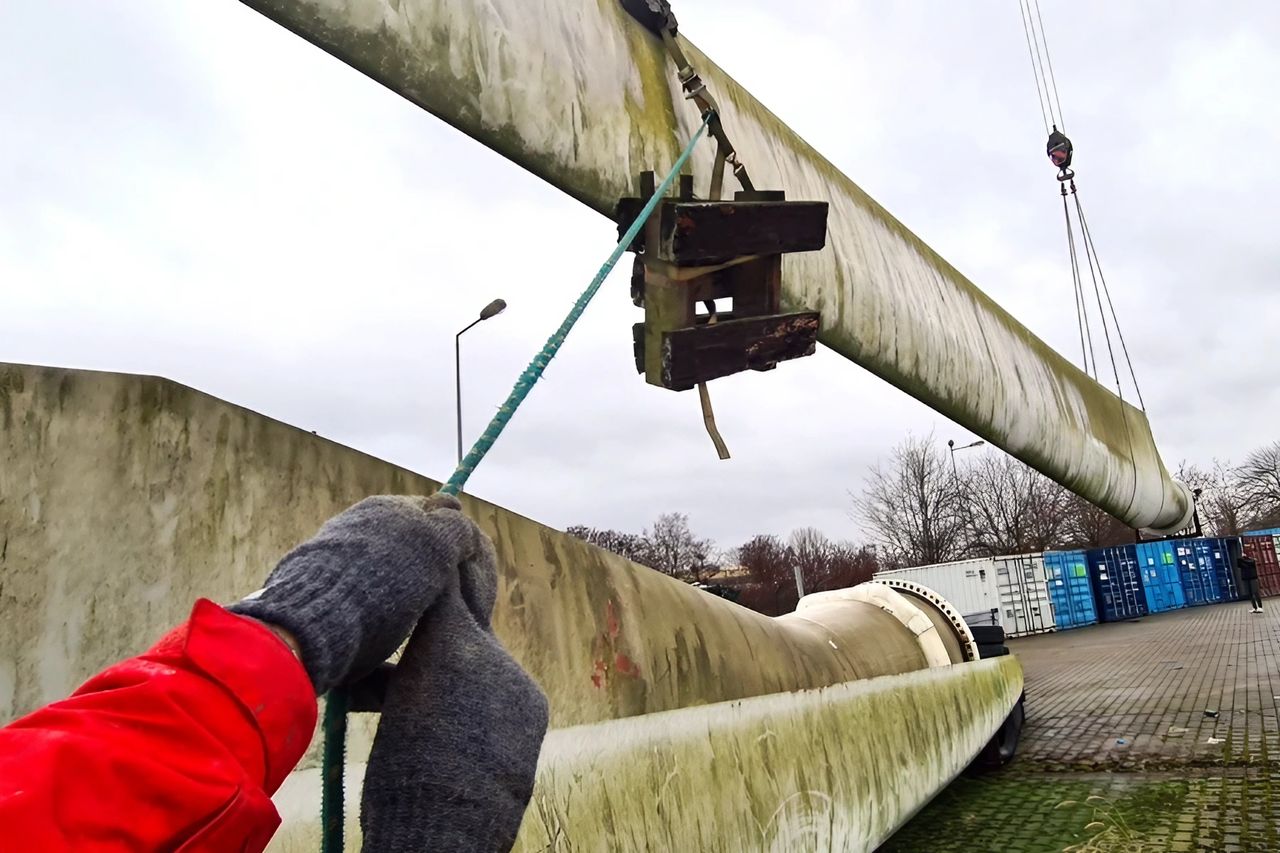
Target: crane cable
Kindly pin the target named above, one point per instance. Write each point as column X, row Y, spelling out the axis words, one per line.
column 1082, row 314
column 1060, row 151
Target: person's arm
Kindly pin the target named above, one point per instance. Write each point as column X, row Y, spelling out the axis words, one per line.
column 179, row 748
column 182, row 747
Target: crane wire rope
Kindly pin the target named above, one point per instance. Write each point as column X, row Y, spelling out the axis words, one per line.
column 1049, row 100
column 1124, row 347
column 1062, row 120
column 1094, row 270
column 1026, row 30
column 1060, row 151
column 1082, row 316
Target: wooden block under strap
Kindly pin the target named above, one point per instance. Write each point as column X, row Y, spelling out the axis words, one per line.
column 702, row 353
column 706, row 231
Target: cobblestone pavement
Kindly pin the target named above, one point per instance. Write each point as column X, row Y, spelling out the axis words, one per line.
column 1159, row 734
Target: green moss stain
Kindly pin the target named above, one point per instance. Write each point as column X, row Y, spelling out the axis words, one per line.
column 1048, row 813
column 12, row 383
column 833, row 769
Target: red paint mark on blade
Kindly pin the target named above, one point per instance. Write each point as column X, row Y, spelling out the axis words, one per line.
column 612, row 624
column 626, row 665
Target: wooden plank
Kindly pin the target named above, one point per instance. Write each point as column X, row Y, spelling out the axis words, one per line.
column 756, row 286
column 707, row 352
column 705, row 232
column 666, row 306
column 637, row 345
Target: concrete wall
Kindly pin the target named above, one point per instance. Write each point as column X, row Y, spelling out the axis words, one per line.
column 579, row 94
column 124, row 498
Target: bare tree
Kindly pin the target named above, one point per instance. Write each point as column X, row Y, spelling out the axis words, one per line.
column 849, row 565
column 811, row 554
column 1222, row 503
column 1194, row 477
column 765, row 558
column 823, row 564
column 769, row 563
column 1258, row 480
column 914, row 505
column 629, row 545
column 1011, row 508
column 1086, row 526
column 675, row 550
column 706, row 562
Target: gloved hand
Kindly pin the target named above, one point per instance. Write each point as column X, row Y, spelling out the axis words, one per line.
column 352, row 593
column 453, row 763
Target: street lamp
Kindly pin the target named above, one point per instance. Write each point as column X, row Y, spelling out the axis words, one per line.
column 952, row 445
column 493, row 309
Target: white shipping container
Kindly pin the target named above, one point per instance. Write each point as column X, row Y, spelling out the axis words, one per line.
column 1025, row 606
column 969, row 585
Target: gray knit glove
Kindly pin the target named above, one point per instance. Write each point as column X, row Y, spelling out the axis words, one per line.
column 352, row 593
column 453, row 763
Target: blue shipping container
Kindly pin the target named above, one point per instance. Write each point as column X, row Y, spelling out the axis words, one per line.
column 1270, row 531
column 1199, row 582
column 1214, row 556
column 1161, row 579
column 1067, row 574
column 1117, row 582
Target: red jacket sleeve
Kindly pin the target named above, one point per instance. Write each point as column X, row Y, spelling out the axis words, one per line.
column 179, row 748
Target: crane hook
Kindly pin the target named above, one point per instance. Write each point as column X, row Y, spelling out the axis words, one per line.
column 1060, row 151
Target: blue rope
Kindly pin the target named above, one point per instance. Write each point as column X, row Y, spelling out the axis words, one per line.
column 534, row 371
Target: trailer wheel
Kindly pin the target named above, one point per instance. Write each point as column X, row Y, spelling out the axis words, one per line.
column 987, row 635
column 1001, row 749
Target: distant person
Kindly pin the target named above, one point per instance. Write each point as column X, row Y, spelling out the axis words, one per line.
column 1249, row 577
column 182, row 747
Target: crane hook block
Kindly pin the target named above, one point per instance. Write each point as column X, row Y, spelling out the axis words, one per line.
column 1059, row 149
column 726, row 257
column 655, row 15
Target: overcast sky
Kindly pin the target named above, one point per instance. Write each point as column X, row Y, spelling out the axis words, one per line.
column 188, row 190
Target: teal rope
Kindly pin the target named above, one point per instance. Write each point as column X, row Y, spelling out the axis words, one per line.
column 335, row 711
column 335, row 747
column 534, row 371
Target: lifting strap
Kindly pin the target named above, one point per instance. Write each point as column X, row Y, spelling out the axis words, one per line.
column 657, row 16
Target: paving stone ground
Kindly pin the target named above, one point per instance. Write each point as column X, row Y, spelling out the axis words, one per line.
column 1159, row 734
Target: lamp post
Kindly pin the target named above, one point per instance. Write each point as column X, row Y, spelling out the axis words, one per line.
column 952, row 446
column 493, row 309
